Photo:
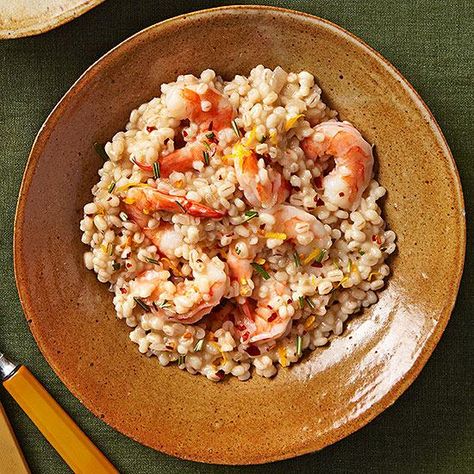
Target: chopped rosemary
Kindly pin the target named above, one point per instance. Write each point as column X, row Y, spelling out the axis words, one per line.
column 210, row 136
column 264, row 274
column 142, row 304
column 205, row 154
column 235, row 128
column 156, row 170
column 361, row 252
column 199, row 345
column 116, row 265
column 250, row 215
column 112, row 186
column 310, row 303
column 238, row 250
column 262, row 139
column 181, row 206
column 181, row 359
column 123, row 216
column 164, row 304
column 301, row 301
column 297, row 260
column 100, row 150
column 299, row 345
column 321, row 255
column 208, row 147
column 152, row 260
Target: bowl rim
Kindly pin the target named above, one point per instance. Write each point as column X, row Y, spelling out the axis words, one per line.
column 427, row 349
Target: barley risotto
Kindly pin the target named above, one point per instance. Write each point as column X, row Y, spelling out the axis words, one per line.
column 237, row 223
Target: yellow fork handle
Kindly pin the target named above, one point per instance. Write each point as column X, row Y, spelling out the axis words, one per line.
column 57, row 426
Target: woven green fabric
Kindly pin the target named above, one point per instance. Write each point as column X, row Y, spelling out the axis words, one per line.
column 430, row 428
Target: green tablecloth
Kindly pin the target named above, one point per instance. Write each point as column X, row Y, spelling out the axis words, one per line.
column 430, row 428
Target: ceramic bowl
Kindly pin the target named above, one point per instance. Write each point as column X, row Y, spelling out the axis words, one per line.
column 336, row 389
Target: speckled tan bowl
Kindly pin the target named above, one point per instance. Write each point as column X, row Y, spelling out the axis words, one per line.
column 336, row 389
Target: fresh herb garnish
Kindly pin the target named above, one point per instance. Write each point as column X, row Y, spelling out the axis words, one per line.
column 309, row 301
column 264, row 274
column 262, row 139
column 100, row 150
column 238, row 250
column 301, row 301
column 111, row 187
column 297, row 260
column 210, row 136
column 250, row 215
column 152, row 260
column 181, row 359
column 208, row 147
column 164, row 304
column 181, row 206
column 299, row 345
column 116, row 265
column 156, row 170
column 321, row 255
column 199, row 345
column 235, row 128
column 142, row 304
column 205, row 154
column 361, row 252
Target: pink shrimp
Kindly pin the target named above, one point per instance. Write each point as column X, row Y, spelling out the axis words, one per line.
column 353, row 159
column 211, row 110
column 150, row 285
column 261, row 187
column 148, row 199
column 263, row 321
column 300, row 226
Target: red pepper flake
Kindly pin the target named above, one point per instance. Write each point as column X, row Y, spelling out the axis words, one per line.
column 128, row 265
column 221, row 374
column 378, row 240
column 272, row 318
column 150, row 128
column 341, row 194
column 374, row 237
column 319, row 202
column 318, row 182
column 240, row 327
column 252, row 351
column 317, row 264
column 185, row 133
column 123, row 291
column 245, row 336
column 211, row 123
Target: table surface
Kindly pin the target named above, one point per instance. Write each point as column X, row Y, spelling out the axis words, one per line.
column 431, row 427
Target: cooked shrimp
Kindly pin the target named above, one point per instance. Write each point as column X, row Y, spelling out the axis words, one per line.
column 148, row 199
column 211, row 110
column 190, row 299
column 300, row 226
column 183, row 158
column 265, row 321
column 261, row 187
column 353, row 159
column 239, row 260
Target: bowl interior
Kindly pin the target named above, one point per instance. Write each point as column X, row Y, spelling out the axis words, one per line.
column 336, row 389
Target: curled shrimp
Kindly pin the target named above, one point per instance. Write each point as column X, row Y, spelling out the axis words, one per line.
column 353, row 159
column 299, row 226
column 261, row 187
column 211, row 109
column 191, row 299
column 147, row 200
column 264, row 321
